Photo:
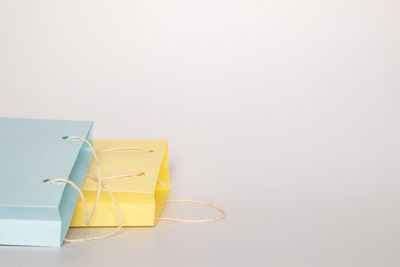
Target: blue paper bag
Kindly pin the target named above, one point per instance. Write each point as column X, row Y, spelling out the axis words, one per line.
column 33, row 213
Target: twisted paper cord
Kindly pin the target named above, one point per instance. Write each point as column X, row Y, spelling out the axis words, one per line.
column 100, row 179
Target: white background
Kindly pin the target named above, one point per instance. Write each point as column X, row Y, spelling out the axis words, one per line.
column 285, row 113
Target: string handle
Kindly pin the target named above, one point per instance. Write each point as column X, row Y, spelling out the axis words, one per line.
column 88, row 218
column 223, row 213
column 101, row 185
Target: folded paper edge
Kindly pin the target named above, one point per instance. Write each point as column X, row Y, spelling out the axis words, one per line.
column 70, row 196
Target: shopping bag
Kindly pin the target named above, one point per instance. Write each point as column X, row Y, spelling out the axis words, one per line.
column 141, row 196
column 33, row 213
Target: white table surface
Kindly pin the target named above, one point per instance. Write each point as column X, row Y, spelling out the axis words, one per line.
column 284, row 113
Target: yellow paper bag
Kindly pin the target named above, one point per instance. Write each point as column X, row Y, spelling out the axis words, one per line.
column 141, row 197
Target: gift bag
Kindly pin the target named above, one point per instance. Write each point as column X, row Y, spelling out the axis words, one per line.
column 33, row 213
column 136, row 172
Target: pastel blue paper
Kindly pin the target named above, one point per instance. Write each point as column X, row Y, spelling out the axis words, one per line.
column 33, row 213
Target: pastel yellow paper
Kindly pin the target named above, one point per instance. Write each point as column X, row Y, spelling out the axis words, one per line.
column 140, row 198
